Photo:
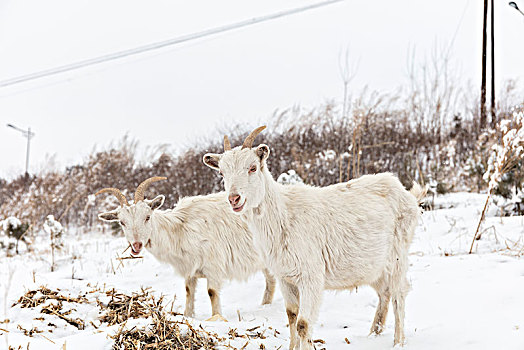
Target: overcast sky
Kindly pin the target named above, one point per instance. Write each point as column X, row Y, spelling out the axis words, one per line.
column 171, row 95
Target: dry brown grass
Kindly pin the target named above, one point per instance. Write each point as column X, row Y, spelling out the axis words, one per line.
column 41, row 295
column 122, row 307
column 34, row 298
column 419, row 135
column 164, row 332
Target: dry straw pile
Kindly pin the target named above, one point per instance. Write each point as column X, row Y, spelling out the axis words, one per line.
column 164, row 332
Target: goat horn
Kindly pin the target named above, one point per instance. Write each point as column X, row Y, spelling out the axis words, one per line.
column 248, row 142
column 227, row 144
column 116, row 192
column 139, row 194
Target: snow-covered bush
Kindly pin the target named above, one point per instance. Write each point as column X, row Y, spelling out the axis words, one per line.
column 10, row 225
column 504, row 157
column 475, row 165
column 13, row 230
column 13, row 227
column 513, row 205
column 55, row 230
column 291, row 177
column 504, row 173
column 327, row 155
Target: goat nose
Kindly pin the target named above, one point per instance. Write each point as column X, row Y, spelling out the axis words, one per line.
column 137, row 246
column 234, row 199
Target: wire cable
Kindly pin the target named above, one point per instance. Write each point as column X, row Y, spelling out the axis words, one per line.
column 160, row 44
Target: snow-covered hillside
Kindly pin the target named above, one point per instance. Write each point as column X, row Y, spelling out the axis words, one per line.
column 458, row 301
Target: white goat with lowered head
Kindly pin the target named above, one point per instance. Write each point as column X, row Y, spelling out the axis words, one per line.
column 314, row 238
column 200, row 238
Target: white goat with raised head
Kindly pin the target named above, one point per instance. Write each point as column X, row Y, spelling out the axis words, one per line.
column 315, row 238
column 200, row 238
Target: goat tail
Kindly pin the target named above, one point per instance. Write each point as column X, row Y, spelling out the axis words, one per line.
column 418, row 192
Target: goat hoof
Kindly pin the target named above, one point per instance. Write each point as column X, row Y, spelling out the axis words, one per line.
column 217, row 318
column 399, row 344
column 376, row 331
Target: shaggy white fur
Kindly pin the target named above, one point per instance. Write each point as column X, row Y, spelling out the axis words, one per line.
column 200, row 238
column 315, row 238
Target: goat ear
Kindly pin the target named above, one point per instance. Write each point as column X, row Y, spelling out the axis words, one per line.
column 109, row 216
column 262, row 152
column 156, row 202
column 211, row 160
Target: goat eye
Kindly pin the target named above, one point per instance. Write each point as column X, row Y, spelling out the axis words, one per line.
column 122, row 223
column 220, row 173
column 148, row 217
column 253, row 169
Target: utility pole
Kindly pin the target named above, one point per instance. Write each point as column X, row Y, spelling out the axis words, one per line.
column 483, row 86
column 493, row 106
column 28, row 134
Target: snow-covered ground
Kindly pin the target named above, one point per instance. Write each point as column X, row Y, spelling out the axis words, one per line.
column 458, row 301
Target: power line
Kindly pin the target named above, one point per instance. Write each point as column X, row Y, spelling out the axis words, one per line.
column 160, row 44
